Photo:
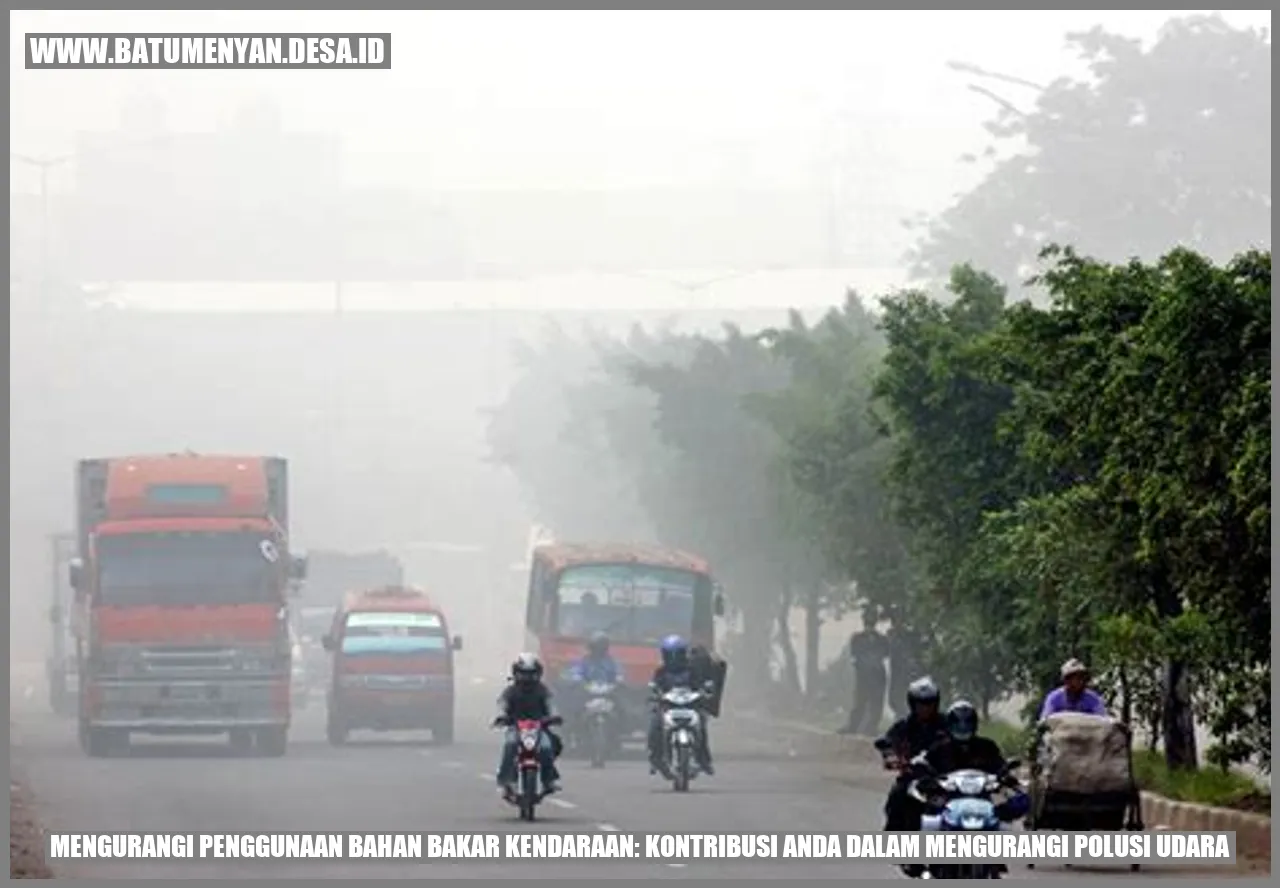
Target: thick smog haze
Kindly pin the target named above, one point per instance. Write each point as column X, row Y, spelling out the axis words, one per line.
column 810, row 108
column 755, row 286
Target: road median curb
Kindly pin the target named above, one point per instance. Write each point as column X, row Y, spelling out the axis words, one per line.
column 1253, row 831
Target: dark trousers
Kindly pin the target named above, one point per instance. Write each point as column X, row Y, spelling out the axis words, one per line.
column 867, row 710
column 902, row 813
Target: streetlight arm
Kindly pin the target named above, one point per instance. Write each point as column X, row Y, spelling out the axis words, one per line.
column 42, row 162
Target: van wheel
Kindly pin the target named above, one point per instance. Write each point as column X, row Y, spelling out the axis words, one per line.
column 442, row 733
column 273, row 742
column 102, row 742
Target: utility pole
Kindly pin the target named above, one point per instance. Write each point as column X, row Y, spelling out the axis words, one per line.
column 45, row 165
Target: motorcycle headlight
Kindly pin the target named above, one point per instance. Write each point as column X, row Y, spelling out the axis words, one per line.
column 529, row 741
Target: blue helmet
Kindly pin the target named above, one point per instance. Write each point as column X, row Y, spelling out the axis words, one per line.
column 675, row 650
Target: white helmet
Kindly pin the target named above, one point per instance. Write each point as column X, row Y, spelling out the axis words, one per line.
column 1074, row 667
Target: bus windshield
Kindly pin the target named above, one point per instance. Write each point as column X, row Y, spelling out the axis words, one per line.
column 631, row 603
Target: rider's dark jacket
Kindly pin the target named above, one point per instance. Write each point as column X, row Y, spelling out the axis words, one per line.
column 666, row 677
column 910, row 736
column 526, row 702
column 980, row 753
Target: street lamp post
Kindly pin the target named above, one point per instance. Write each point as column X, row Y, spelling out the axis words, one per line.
column 45, row 165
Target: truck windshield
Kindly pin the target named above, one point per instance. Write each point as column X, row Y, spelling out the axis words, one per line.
column 385, row 632
column 187, row 568
column 631, row 603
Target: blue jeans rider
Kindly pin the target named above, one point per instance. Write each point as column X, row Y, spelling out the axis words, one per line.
column 526, row 698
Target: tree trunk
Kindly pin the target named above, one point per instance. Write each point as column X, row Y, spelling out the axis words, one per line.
column 757, row 626
column 790, row 665
column 812, row 625
column 1178, row 720
column 1126, row 702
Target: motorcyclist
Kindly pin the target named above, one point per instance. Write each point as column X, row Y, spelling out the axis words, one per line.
column 907, row 738
column 526, row 698
column 1074, row 695
column 677, row 670
column 597, row 664
column 962, row 748
column 594, row 666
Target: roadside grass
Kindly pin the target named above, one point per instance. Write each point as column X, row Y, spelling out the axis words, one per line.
column 1203, row 786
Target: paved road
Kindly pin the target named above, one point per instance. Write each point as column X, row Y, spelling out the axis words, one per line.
column 386, row 786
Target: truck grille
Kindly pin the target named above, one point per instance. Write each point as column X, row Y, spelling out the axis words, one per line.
column 189, row 659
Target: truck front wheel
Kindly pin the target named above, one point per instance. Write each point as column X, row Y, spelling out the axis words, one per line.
column 273, row 742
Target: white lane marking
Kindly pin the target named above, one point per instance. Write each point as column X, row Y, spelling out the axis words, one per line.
column 452, row 764
column 607, row 827
column 483, row 776
column 561, row 803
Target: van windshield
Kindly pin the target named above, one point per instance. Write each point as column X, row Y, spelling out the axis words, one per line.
column 386, row 632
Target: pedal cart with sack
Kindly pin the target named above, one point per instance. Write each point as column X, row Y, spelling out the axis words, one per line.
column 1082, row 776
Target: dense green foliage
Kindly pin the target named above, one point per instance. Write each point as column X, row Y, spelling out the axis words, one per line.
column 1008, row 484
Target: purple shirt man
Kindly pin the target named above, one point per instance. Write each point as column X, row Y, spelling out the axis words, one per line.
column 1074, row 695
column 1088, row 702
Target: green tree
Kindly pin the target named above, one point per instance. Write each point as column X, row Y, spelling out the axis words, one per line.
column 944, row 402
column 1139, row 399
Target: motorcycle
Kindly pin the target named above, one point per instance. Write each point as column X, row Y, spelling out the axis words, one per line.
column 964, row 800
column 599, row 720
column 528, row 791
column 681, row 733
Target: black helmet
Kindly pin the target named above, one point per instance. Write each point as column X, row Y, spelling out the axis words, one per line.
column 599, row 644
column 922, row 691
column 962, row 721
column 527, row 669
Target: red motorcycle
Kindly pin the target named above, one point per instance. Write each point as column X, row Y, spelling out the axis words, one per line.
column 528, row 792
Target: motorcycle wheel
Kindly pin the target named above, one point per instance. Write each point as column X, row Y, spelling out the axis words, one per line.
column 599, row 740
column 528, row 793
column 683, row 766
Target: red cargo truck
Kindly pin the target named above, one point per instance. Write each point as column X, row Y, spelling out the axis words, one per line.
column 181, row 583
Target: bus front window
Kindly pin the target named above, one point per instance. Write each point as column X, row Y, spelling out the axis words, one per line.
column 632, row 604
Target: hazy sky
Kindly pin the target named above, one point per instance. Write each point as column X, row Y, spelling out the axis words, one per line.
column 553, row 99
